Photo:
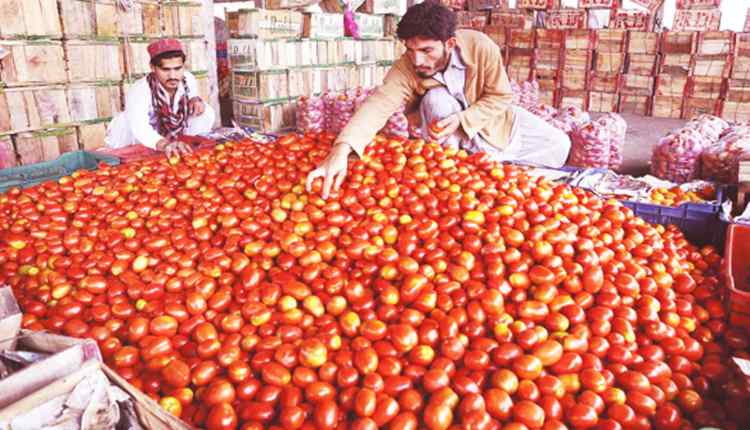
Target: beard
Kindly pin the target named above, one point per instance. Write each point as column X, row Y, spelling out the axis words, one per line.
column 439, row 66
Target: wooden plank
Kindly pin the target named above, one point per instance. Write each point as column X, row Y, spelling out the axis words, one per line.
column 580, row 39
column 677, row 42
column 609, row 62
column 711, row 66
column 604, row 82
column 91, row 136
column 715, row 43
column 675, row 64
column 634, row 104
column 642, row 64
column 30, row 108
column 706, row 87
column 667, row 107
column 550, row 39
column 611, row 41
column 29, row 18
column 90, row 60
column 602, row 102
column 670, row 85
column 31, row 63
column 637, row 85
column 643, row 42
column 738, row 90
column 695, row 106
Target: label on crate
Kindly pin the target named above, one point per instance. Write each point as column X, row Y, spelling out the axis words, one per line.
column 511, row 19
column 475, row 20
column 487, row 4
column 698, row 4
column 369, row 26
column 323, row 26
column 651, row 5
column 629, row 19
column 565, row 19
column 697, row 20
column 597, row 4
column 535, row 4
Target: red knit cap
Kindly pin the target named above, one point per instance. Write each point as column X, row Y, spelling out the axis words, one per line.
column 164, row 45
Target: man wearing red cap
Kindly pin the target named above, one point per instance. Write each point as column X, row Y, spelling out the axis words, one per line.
column 162, row 106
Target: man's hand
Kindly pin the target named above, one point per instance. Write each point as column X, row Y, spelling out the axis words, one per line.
column 196, row 106
column 173, row 147
column 332, row 169
column 445, row 127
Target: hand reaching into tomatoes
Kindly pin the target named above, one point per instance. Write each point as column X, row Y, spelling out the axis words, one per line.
column 444, row 128
column 332, row 170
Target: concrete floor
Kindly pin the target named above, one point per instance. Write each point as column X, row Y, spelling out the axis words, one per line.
column 643, row 134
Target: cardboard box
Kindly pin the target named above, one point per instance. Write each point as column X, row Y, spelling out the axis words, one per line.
column 369, row 26
column 265, row 24
column 149, row 413
column 323, row 26
column 383, row 7
column 69, row 354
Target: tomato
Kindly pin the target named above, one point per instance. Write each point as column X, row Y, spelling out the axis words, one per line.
column 176, row 374
column 221, row 416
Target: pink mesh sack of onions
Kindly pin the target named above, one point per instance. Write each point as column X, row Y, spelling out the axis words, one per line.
column 544, row 111
column 311, row 116
column 397, row 125
column 342, row 110
column 590, row 145
column 676, row 157
column 720, row 160
column 710, row 126
column 618, row 129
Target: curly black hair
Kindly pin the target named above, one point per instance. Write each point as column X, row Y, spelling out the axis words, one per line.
column 429, row 20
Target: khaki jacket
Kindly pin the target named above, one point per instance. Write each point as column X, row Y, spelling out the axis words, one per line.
column 488, row 93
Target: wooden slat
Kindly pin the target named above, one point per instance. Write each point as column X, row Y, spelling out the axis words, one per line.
column 667, row 107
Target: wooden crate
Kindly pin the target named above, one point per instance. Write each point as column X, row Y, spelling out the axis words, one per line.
column 323, row 26
column 91, row 134
column 512, row 18
column 738, row 90
column 32, row 63
column 609, row 62
column 575, row 69
column 742, row 44
column 602, row 102
column 547, row 63
column 698, row 4
column 369, row 26
column 635, row 104
column 27, row 18
column 90, row 102
column 259, row 87
column 35, row 147
column 675, row 64
column 383, row 7
column 597, row 4
column 667, row 107
column 643, row 42
column 637, row 85
column 525, row 39
column 390, row 25
column 550, row 39
column 102, row 18
column 706, row 87
column 695, row 106
column 735, row 111
column 565, row 19
column 487, row 4
column 266, row 117
column 580, row 39
column 498, row 34
column 611, row 41
column 715, row 43
column 196, row 51
column 33, row 108
column 740, row 68
column 537, row 4
column 518, row 57
column 676, row 42
column 7, row 148
column 549, row 97
column 642, row 64
column 711, row 65
column 136, row 60
column 671, row 85
column 265, row 24
column 472, row 20
column 697, row 20
column 519, row 73
column 182, row 18
column 93, row 60
column 578, row 99
column 632, row 20
column 604, row 82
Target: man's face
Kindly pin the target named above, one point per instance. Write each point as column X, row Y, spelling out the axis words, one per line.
column 170, row 73
column 429, row 56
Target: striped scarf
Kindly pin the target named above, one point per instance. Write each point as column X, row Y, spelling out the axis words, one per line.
column 170, row 124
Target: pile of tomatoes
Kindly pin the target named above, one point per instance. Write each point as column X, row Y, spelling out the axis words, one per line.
column 435, row 290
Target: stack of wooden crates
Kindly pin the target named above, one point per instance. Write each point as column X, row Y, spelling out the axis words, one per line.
column 277, row 56
column 67, row 66
column 736, row 107
column 637, row 86
column 609, row 65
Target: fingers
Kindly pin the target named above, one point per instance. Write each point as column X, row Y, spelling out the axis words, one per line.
column 339, row 180
column 312, row 176
column 327, row 183
column 445, row 122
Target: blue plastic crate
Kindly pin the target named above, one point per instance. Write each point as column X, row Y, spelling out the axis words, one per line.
column 64, row 165
column 699, row 222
